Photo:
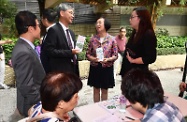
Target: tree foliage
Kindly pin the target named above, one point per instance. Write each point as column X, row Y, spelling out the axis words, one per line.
column 7, row 8
column 7, row 14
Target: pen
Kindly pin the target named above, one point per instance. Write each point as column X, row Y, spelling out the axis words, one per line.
column 129, row 118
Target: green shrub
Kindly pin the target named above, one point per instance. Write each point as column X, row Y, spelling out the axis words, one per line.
column 128, row 31
column 170, row 42
column 168, row 51
column 82, row 56
column 165, row 45
column 162, row 32
column 8, row 48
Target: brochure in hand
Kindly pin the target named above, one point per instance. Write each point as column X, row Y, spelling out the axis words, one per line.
column 80, row 42
column 99, row 53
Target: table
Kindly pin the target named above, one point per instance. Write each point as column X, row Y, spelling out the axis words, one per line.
column 181, row 103
column 98, row 112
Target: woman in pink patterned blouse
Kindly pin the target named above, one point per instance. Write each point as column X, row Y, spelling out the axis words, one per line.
column 102, row 52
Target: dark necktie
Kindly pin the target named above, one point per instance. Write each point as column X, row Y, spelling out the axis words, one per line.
column 69, row 39
column 70, row 45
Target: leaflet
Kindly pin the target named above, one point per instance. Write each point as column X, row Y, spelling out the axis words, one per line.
column 99, row 53
column 80, row 42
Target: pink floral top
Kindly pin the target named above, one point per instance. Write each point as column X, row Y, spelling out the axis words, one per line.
column 109, row 46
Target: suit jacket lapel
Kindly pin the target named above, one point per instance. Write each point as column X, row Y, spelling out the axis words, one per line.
column 29, row 47
column 63, row 35
column 73, row 37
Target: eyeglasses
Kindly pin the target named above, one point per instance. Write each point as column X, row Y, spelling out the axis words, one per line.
column 131, row 17
column 123, row 31
column 71, row 12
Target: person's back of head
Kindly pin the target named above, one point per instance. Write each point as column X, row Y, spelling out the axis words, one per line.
column 50, row 15
column 23, row 20
column 142, row 86
column 58, row 86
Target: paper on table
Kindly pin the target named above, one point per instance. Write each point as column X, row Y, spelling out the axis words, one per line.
column 80, row 42
column 110, row 105
column 108, row 118
column 116, row 117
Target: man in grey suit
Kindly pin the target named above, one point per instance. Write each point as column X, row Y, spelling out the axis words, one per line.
column 60, row 43
column 26, row 63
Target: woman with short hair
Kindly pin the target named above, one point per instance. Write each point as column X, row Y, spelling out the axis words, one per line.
column 144, row 91
column 59, row 95
column 101, row 75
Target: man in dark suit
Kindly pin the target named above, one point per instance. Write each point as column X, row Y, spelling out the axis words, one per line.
column 48, row 20
column 60, row 43
column 26, row 63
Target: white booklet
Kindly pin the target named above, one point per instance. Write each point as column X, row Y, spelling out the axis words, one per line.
column 99, row 53
column 80, row 42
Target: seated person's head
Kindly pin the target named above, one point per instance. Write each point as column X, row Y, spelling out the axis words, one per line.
column 59, row 92
column 142, row 89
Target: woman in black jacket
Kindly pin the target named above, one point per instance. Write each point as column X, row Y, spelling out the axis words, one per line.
column 141, row 46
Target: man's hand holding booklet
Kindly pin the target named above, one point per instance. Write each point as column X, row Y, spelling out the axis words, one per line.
column 80, row 42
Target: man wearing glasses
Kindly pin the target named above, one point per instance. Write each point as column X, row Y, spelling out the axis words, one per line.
column 60, row 43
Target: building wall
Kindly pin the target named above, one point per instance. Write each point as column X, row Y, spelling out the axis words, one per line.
column 174, row 19
column 31, row 5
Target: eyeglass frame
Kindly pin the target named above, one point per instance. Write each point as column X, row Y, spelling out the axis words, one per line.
column 131, row 17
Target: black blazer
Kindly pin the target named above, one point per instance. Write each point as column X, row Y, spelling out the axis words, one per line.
column 55, row 52
column 145, row 47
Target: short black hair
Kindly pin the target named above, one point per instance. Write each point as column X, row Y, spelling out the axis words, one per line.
column 58, row 86
column 24, row 19
column 50, row 14
column 107, row 24
column 142, row 86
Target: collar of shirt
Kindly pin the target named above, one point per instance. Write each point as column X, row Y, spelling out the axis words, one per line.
column 105, row 38
column 63, row 26
column 49, row 27
column 30, row 43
